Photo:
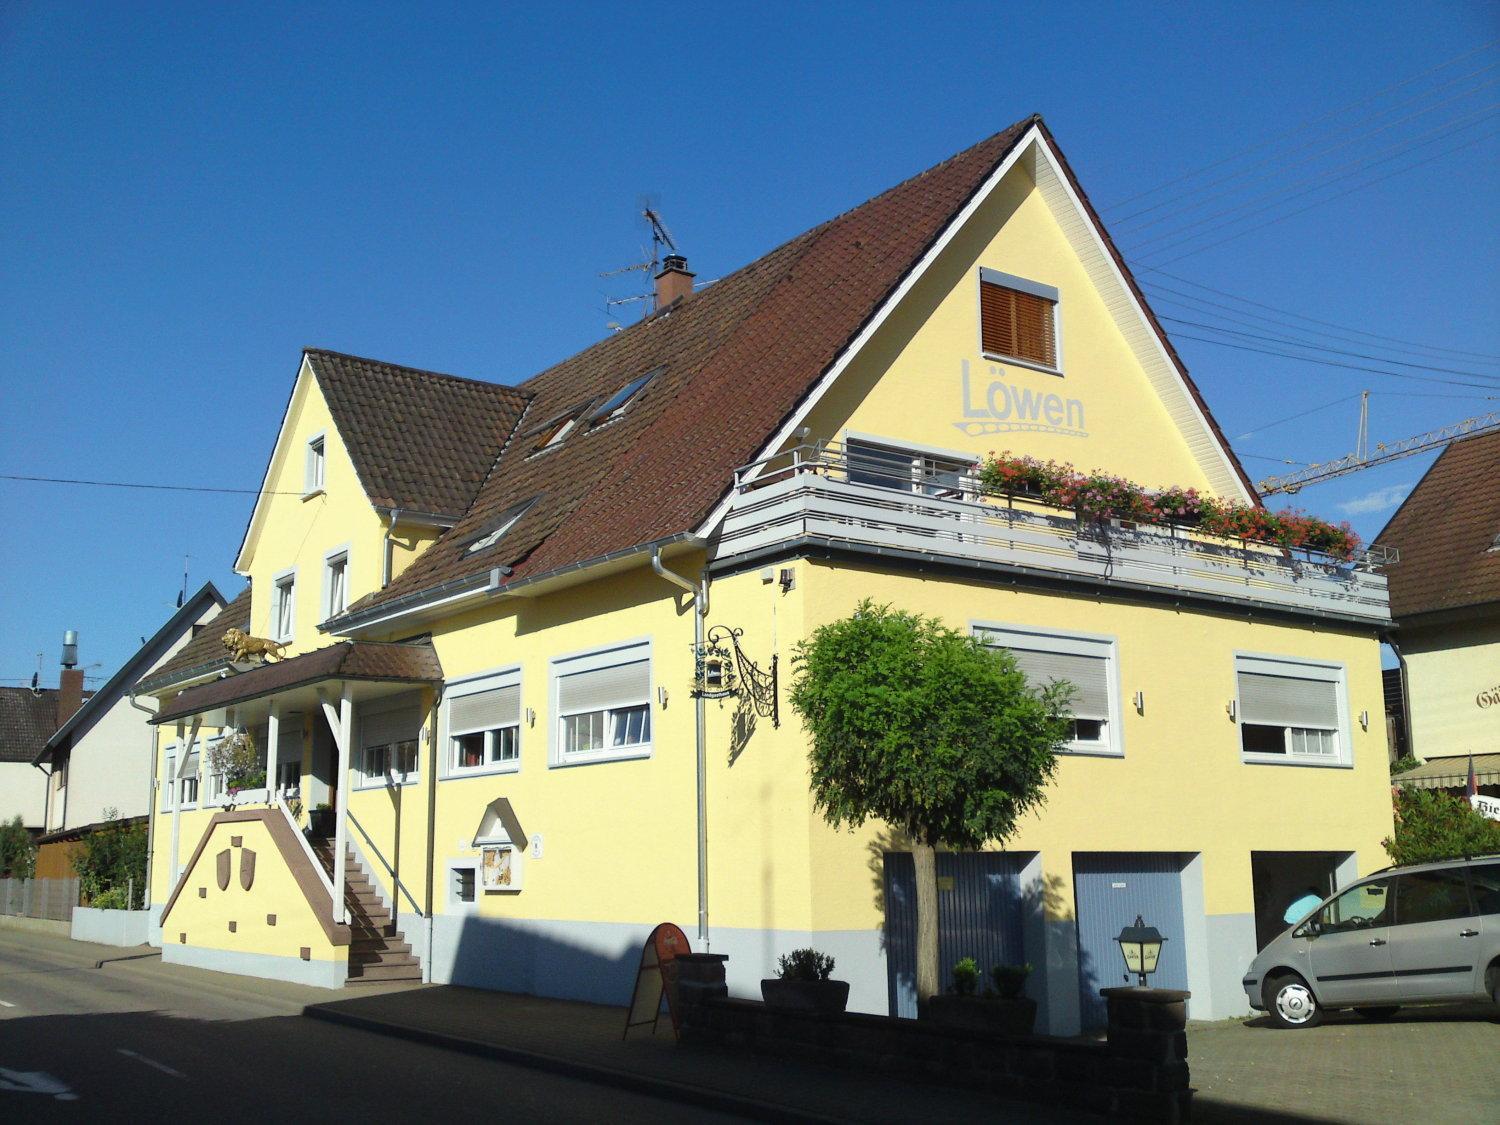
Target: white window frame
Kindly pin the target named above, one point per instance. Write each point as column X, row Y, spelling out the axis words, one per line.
column 283, row 582
column 1050, row 293
column 472, row 685
column 315, row 464
column 387, row 777
column 1097, row 645
column 169, row 777
column 456, row 905
column 338, row 554
column 196, row 777
column 214, row 790
column 921, row 483
column 1325, row 671
column 625, row 652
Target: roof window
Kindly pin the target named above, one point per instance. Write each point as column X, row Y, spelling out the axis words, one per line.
column 553, row 431
column 496, row 530
column 620, row 401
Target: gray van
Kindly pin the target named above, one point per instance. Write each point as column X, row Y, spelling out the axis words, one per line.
column 1425, row 934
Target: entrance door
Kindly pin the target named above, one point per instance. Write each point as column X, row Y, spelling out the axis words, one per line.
column 980, row 915
column 1351, row 951
column 1112, row 888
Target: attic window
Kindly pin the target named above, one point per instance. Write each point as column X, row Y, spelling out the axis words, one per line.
column 620, row 401
column 552, row 432
column 315, row 465
column 497, row 530
column 1018, row 319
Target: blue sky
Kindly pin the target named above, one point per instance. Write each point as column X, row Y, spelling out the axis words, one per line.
column 189, row 194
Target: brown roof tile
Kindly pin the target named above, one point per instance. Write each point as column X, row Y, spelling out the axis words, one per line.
column 27, row 720
column 419, row 440
column 205, row 652
column 1448, row 533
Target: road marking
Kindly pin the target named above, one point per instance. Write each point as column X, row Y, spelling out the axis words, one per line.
column 35, row 1082
column 163, row 1067
column 6, row 1004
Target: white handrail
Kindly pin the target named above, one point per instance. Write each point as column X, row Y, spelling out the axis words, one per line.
column 306, row 847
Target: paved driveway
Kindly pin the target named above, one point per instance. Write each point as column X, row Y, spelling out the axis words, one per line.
column 1425, row 1065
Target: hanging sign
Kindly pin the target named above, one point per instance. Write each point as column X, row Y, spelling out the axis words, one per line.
column 1488, row 807
column 656, row 978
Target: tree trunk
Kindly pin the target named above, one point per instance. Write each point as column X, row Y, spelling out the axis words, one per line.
column 924, row 859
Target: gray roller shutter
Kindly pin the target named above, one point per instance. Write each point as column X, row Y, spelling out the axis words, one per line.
column 485, row 710
column 392, row 726
column 1288, row 701
column 599, row 689
column 1089, row 676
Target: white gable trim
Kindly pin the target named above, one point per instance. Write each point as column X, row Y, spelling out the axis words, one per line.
column 1164, row 375
column 278, row 456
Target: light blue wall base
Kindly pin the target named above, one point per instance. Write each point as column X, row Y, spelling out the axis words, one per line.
column 1231, row 948
column 322, row 974
column 110, row 927
column 153, row 926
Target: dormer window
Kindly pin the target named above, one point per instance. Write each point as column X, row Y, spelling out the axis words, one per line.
column 1018, row 320
column 315, row 465
column 620, row 401
column 498, row 529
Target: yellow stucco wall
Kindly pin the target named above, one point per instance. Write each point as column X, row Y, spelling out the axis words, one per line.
column 1448, row 668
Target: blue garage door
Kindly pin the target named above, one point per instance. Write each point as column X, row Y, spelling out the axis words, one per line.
column 979, row 915
column 1111, row 889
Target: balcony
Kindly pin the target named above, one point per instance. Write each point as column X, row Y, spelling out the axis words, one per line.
column 918, row 508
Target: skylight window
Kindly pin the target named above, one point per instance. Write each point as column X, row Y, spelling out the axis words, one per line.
column 497, row 532
column 620, row 401
column 552, row 432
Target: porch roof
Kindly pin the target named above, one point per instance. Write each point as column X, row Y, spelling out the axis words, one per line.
column 367, row 661
column 1451, row 773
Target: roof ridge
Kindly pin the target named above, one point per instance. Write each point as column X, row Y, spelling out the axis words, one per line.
column 488, row 384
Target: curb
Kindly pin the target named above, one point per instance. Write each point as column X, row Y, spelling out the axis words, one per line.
column 633, row 1081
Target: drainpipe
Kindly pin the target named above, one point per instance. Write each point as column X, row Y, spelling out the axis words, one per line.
column 700, row 607
column 432, row 787
column 385, row 561
column 151, row 801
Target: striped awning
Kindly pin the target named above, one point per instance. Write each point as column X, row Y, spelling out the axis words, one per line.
column 1451, row 773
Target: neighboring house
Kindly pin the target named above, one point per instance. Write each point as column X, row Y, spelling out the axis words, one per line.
column 100, row 764
column 27, row 720
column 492, row 601
column 1445, row 599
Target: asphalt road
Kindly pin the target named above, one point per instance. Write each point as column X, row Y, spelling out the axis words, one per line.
column 134, row 1039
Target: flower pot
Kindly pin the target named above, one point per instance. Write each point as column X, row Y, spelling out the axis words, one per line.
column 827, row 996
column 989, row 1014
column 320, row 822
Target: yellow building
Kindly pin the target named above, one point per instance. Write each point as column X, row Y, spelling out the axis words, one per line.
column 493, row 601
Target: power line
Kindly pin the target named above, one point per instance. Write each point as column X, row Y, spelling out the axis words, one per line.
column 1301, row 316
column 1294, row 417
column 1331, row 363
column 1300, row 129
column 1320, row 202
column 1331, row 351
column 151, row 487
column 1280, row 157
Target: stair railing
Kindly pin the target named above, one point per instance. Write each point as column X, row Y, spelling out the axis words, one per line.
column 375, row 851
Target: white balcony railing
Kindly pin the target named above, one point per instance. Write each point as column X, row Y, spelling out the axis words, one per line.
column 815, row 493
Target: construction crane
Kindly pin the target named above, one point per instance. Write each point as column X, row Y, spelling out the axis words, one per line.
column 1363, row 458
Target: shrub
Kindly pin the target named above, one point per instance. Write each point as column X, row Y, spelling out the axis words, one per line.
column 1010, row 979
column 804, row 964
column 112, row 857
column 17, row 852
column 966, row 977
column 112, row 899
column 1403, row 764
column 1433, row 825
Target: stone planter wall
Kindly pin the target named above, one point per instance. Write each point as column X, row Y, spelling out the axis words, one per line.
column 111, row 927
column 1141, row 1073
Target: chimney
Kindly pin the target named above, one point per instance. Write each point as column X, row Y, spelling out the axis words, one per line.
column 674, row 282
column 70, row 681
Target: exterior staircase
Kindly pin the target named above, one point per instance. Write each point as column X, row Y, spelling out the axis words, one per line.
column 377, row 950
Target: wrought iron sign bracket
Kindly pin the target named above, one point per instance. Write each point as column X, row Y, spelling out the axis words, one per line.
column 722, row 669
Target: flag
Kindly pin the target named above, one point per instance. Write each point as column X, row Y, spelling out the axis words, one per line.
column 1472, row 789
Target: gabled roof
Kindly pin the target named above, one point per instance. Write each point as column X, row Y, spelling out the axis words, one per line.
column 734, row 362
column 27, row 720
column 120, row 683
column 205, row 654
column 419, row 440
column 1448, row 533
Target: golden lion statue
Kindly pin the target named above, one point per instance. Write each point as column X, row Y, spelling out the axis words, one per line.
column 242, row 646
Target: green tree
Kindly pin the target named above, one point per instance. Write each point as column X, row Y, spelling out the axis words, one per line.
column 1433, row 825
column 17, row 852
column 923, row 727
column 113, row 858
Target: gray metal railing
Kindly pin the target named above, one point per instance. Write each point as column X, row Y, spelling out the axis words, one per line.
column 385, row 863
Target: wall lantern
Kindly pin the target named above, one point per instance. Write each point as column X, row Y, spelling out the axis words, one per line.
column 1141, row 946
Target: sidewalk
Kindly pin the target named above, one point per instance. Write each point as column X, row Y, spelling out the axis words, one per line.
column 584, row 1041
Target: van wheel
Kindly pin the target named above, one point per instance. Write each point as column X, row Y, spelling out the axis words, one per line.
column 1379, row 1013
column 1291, row 1004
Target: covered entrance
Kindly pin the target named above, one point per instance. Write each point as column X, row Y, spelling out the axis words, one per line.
column 1281, row 878
column 1111, row 889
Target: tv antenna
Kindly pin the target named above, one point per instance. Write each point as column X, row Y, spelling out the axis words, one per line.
column 650, row 263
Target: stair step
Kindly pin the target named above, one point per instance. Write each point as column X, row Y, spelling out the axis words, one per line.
column 386, row 972
column 391, row 944
column 383, row 957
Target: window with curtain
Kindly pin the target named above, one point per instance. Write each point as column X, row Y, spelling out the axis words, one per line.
column 1085, row 662
column 1017, row 320
column 1288, row 710
column 484, row 726
column 603, row 705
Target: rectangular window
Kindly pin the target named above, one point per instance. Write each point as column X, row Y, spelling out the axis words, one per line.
column 283, row 607
column 1087, row 663
column 188, row 791
column 335, row 584
column 388, row 747
column 168, row 780
column 1017, row 319
column 603, row 705
column 463, row 886
column 1290, row 710
column 315, row 464
column 1432, row 896
column 484, row 726
column 910, row 470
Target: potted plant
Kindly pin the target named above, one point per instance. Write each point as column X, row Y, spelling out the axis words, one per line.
column 320, row 820
column 998, row 1010
column 802, row 982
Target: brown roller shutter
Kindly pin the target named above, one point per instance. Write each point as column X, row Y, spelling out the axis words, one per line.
column 1018, row 325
